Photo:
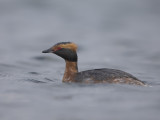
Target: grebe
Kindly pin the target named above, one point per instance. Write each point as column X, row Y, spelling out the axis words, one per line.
column 67, row 50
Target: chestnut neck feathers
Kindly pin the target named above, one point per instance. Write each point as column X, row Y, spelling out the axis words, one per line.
column 70, row 71
column 67, row 51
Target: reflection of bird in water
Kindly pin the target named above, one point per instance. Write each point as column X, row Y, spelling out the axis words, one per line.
column 67, row 50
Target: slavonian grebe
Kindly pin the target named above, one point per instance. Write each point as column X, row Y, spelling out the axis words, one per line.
column 67, row 50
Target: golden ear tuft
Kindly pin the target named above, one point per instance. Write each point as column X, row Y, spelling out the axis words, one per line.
column 71, row 46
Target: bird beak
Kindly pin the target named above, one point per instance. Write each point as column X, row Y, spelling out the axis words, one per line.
column 48, row 51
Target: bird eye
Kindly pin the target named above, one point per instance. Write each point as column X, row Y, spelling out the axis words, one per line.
column 58, row 48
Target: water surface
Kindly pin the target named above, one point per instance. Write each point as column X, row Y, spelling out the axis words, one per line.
column 114, row 34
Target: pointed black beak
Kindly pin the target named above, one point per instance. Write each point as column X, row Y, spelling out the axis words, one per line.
column 48, row 51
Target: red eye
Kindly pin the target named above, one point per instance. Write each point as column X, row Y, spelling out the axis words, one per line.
column 58, row 48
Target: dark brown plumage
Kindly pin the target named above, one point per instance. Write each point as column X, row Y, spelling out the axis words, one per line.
column 67, row 50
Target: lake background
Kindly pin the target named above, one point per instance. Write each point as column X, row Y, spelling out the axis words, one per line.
column 120, row 34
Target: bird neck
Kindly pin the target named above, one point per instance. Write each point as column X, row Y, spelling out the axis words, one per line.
column 70, row 71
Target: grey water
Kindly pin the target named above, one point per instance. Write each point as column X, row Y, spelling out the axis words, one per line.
column 120, row 34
